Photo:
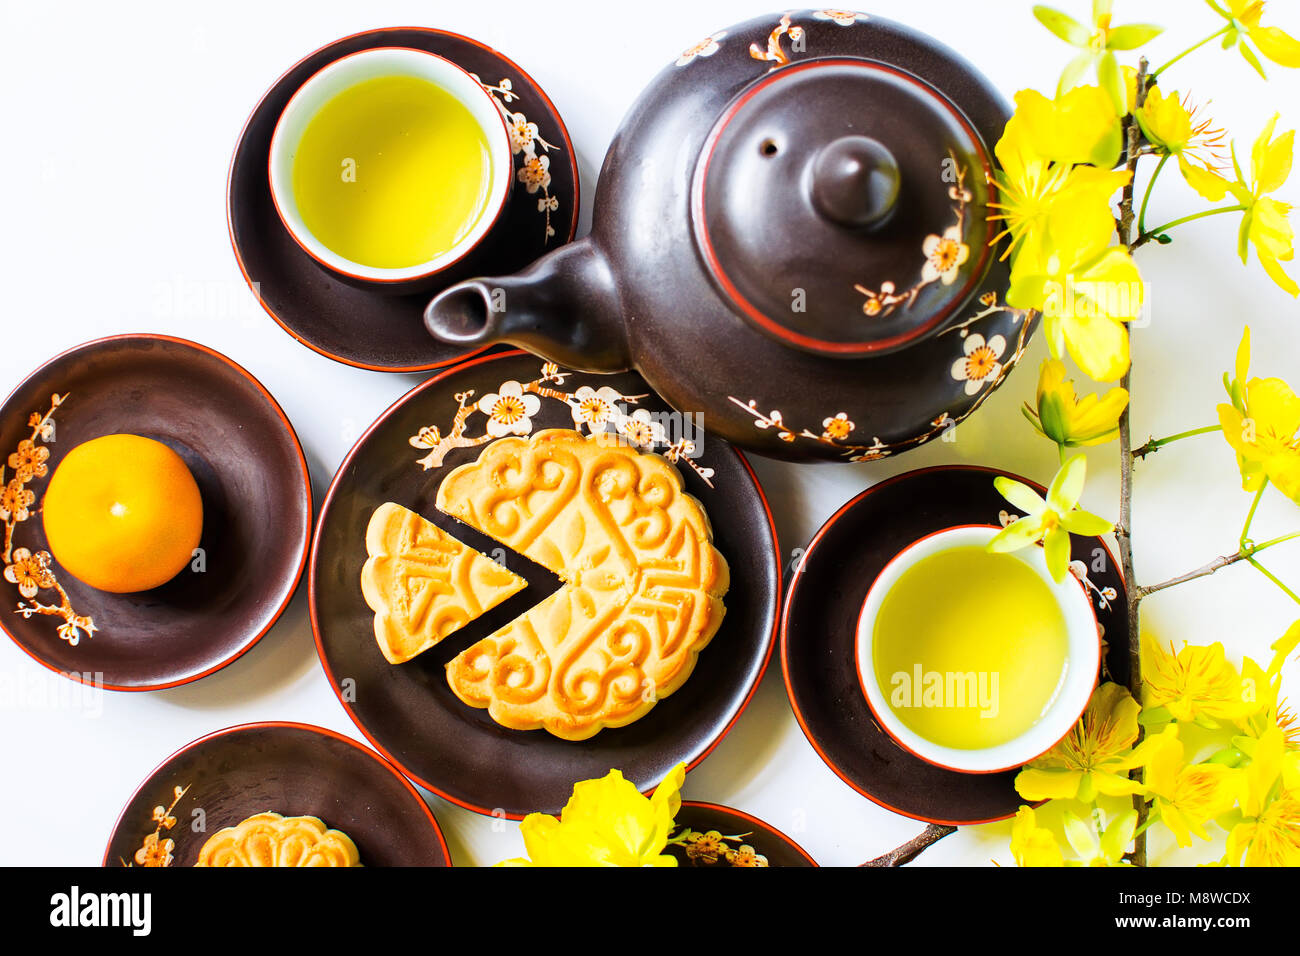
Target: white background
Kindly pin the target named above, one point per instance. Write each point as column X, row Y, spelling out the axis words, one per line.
column 118, row 124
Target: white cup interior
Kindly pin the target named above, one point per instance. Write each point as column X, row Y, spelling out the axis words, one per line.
column 1083, row 658
column 348, row 72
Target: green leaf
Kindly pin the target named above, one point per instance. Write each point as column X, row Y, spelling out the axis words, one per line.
column 1067, row 487
column 1056, row 548
column 1119, row 835
column 1073, row 72
column 1017, row 535
column 1132, row 35
column 1063, row 25
column 1249, row 55
column 1080, row 836
column 1086, row 523
column 1019, row 494
column 1228, row 757
column 1111, row 78
column 1154, row 716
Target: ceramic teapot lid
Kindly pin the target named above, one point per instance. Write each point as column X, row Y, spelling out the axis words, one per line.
column 840, row 204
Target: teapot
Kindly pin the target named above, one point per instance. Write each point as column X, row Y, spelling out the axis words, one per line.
column 790, row 239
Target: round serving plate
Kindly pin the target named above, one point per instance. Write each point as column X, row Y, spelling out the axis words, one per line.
column 287, row 768
column 409, row 712
column 365, row 326
column 716, row 836
column 257, row 511
column 819, row 637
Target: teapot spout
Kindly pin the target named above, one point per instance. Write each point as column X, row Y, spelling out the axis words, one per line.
column 564, row 307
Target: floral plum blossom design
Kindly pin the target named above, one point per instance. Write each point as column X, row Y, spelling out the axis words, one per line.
column 32, row 572
column 641, row 430
column 510, row 411
column 526, row 142
column 712, row 847
column 706, row 47
column 845, row 18
column 944, row 256
column 595, row 407
column 599, row 410
column 981, row 362
column 945, row 253
column 837, row 427
column 535, row 173
column 15, row 499
column 156, row 850
column 29, row 460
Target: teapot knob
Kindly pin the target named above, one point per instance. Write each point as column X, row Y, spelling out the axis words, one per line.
column 855, row 182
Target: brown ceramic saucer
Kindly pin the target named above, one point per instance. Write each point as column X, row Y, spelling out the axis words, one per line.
column 819, row 634
column 408, row 711
column 722, row 837
column 289, row 768
column 372, row 329
column 257, row 511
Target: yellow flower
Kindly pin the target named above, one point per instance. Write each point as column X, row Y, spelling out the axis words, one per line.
column 1269, row 832
column 1086, row 290
column 1032, row 845
column 1094, row 757
column 1068, row 420
column 1264, row 222
column 1050, row 521
column 1054, row 162
column 1107, row 851
column 1195, row 684
column 1098, row 44
column 1174, row 128
column 1276, row 44
column 605, row 823
column 1187, row 796
column 1262, row 424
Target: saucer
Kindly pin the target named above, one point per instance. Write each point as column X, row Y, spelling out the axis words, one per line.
column 819, row 638
column 408, row 711
column 371, row 329
column 720, row 837
column 257, row 508
column 289, row 768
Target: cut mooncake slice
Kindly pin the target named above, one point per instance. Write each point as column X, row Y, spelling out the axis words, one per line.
column 269, row 839
column 423, row 584
column 643, row 582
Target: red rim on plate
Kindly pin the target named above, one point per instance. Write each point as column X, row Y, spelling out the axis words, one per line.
column 135, row 824
column 586, row 760
column 142, row 410
column 381, row 35
column 828, row 702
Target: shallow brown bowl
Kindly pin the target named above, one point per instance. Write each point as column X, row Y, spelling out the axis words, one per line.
column 291, row 769
column 257, row 511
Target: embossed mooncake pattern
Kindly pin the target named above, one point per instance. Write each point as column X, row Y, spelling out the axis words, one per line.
column 423, row 584
column 643, row 583
column 269, row 839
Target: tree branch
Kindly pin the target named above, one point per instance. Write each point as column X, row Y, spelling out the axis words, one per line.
column 1208, row 568
column 1124, row 528
column 909, row 851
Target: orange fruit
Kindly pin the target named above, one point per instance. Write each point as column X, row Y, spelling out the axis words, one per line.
column 123, row 513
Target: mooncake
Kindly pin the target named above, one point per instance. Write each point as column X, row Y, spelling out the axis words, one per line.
column 269, row 839
column 423, row 584
column 643, row 583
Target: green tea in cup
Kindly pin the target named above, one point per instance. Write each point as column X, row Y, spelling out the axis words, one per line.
column 390, row 164
column 972, row 660
column 392, row 172
column 970, row 648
